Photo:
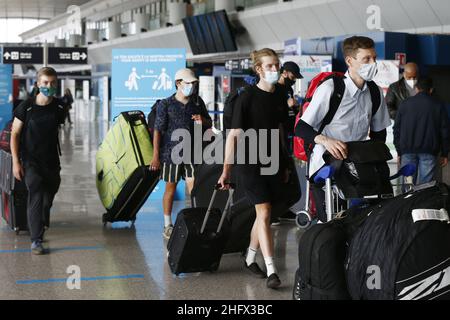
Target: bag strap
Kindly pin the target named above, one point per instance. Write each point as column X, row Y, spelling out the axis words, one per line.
column 375, row 96
column 335, row 100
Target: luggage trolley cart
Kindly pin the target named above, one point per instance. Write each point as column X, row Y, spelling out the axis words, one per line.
column 332, row 193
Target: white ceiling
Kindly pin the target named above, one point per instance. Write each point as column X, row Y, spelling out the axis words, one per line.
column 39, row 9
column 271, row 25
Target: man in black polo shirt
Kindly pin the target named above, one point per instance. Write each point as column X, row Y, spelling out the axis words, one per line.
column 35, row 152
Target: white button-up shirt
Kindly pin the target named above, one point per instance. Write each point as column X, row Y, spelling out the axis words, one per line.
column 352, row 120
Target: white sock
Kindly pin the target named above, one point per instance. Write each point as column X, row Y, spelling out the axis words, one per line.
column 251, row 256
column 167, row 220
column 270, row 266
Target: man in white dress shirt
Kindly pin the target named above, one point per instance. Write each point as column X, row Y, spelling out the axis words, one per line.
column 354, row 118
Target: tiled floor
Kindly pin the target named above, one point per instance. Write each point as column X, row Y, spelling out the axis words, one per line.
column 133, row 259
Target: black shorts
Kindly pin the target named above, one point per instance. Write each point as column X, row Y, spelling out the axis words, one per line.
column 175, row 172
column 259, row 188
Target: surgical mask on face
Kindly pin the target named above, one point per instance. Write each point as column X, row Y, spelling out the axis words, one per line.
column 187, row 89
column 47, row 91
column 411, row 83
column 368, row 71
column 271, row 77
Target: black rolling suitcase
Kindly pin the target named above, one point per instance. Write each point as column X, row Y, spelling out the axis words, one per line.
column 242, row 214
column 14, row 196
column 199, row 238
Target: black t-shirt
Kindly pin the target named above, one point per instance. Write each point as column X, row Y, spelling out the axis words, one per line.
column 258, row 109
column 292, row 112
column 39, row 136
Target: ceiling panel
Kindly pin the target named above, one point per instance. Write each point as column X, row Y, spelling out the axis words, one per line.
column 395, row 15
column 347, row 16
column 420, row 12
column 315, row 29
column 441, row 9
column 43, row 9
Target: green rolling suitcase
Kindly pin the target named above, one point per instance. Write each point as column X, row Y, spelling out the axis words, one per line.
column 124, row 181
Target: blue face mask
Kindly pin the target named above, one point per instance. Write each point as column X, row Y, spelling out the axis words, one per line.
column 271, row 77
column 48, row 92
column 187, row 89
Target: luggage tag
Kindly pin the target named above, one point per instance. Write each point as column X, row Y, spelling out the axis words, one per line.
column 430, row 214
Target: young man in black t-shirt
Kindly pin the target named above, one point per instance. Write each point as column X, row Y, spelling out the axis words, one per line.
column 262, row 109
column 35, row 153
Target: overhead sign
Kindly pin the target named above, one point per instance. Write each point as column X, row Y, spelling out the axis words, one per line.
column 232, row 65
column 238, row 66
column 57, row 55
column 142, row 76
column 23, row 55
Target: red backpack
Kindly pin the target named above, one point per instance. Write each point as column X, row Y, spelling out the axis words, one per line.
column 339, row 87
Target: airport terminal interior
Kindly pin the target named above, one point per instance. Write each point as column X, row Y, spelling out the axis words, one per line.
column 117, row 56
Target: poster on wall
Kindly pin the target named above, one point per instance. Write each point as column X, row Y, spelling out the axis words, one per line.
column 310, row 66
column 207, row 90
column 388, row 73
column 142, row 76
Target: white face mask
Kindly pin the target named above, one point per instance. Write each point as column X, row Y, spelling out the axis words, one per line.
column 368, row 71
column 411, row 83
column 271, row 77
column 187, row 89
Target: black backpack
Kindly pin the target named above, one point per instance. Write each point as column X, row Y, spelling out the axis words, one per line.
column 321, row 253
column 151, row 118
column 230, row 102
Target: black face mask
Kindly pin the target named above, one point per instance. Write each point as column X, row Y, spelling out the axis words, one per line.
column 288, row 82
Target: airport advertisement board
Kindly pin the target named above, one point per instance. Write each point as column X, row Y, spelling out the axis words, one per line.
column 5, row 93
column 142, row 76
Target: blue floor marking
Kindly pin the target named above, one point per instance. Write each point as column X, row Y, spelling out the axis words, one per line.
column 130, row 276
column 55, row 249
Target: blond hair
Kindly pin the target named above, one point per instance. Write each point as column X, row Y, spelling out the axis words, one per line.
column 257, row 56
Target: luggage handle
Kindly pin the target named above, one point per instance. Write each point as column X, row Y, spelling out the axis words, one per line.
column 225, row 210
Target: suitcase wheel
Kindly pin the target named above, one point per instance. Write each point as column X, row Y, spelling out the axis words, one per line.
column 303, row 219
column 104, row 221
column 214, row 268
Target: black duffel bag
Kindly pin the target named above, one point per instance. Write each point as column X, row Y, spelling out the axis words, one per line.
column 365, row 172
column 402, row 250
